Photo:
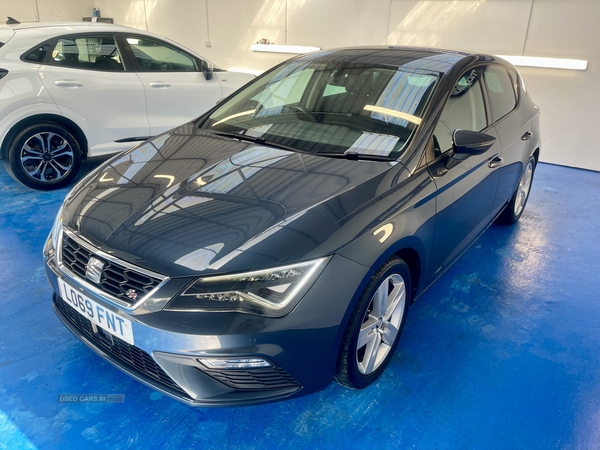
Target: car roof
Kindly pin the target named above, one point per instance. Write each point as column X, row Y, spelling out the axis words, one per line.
column 46, row 30
column 424, row 58
column 97, row 26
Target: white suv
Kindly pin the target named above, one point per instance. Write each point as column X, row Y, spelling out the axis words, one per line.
column 75, row 90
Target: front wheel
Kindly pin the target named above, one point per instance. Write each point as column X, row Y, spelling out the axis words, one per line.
column 514, row 210
column 44, row 156
column 375, row 326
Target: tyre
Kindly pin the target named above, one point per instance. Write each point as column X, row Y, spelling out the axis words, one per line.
column 375, row 326
column 513, row 211
column 44, row 156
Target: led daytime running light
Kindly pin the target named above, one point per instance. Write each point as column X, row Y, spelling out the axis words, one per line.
column 269, row 292
column 264, row 275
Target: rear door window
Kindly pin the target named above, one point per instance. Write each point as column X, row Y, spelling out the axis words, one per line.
column 95, row 52
column 501, row 90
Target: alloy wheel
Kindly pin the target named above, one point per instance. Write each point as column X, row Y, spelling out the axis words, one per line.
column 380, row 325
column 46, row 157
column 523, row 188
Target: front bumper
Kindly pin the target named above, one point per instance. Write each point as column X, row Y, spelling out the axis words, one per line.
column 302, row 346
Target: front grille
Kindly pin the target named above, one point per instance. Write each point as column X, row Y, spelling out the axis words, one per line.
column 255, row 379
column 137, row 359
column 116, row 279
column 74, row 256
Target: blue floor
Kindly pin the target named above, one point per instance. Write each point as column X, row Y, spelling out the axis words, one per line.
column 502, row 352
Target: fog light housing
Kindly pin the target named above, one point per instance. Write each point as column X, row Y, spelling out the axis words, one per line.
column 234, row 363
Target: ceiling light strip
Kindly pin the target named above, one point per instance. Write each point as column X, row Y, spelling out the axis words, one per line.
column 550, row 63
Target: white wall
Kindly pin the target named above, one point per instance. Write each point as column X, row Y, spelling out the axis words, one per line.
column 557, row 28
column 45, row 10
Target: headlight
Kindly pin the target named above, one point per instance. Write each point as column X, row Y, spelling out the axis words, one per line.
column 53, row 238
column 56, row 228
column 271, row 292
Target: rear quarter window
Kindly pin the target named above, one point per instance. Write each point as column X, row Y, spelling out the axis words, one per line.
column 38, row 54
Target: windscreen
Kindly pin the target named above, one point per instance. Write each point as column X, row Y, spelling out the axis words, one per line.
column 330, row 107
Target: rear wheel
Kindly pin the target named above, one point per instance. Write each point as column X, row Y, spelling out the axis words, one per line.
column 375, row 326
column 44, row 156
column 514, row 210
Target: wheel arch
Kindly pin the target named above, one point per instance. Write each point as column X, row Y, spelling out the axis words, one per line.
column 71, row 126
column 412, row 250
column 412, row 259
column 536, row 155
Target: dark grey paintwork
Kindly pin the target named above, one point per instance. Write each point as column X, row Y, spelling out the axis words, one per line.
column 155, row 221
column 156, row 205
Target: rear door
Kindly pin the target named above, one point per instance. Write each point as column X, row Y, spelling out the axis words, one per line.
column 86, row 77
column 512, row 122
column 466, row 190
column 176, row 89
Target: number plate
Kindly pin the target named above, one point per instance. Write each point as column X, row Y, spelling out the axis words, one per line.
column 107, row 320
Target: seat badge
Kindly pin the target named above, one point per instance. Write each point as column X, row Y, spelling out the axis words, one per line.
column 93, row 269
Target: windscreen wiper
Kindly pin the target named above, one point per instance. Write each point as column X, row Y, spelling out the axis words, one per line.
column 353, row 156
column 258, row 140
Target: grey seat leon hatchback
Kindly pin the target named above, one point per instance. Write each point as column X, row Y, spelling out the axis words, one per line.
column 276, row 243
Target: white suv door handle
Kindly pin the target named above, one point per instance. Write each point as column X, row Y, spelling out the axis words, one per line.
column 495, row 162
column 68, row 84
column 160, row 84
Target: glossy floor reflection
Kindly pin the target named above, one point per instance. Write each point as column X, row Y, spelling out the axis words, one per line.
column 502, row 352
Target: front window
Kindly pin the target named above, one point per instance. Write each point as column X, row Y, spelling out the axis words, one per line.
column 331, row 107
column 154, row 56
column 464, row 110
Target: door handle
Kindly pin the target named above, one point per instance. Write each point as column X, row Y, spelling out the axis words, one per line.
column 527, row 136
column 160, row 85
column 495, row 162
column 68, row 84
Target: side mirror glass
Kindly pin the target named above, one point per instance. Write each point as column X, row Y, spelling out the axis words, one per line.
column 465, row 142
column 206, row 69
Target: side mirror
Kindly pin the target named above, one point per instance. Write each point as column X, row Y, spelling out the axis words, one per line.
column 206, row 69
column 465, row 142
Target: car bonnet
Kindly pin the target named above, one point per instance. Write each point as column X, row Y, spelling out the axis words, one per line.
column 188, row 202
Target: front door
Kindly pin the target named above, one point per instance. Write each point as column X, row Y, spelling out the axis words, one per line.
column 176, row 89
column 465, row 189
